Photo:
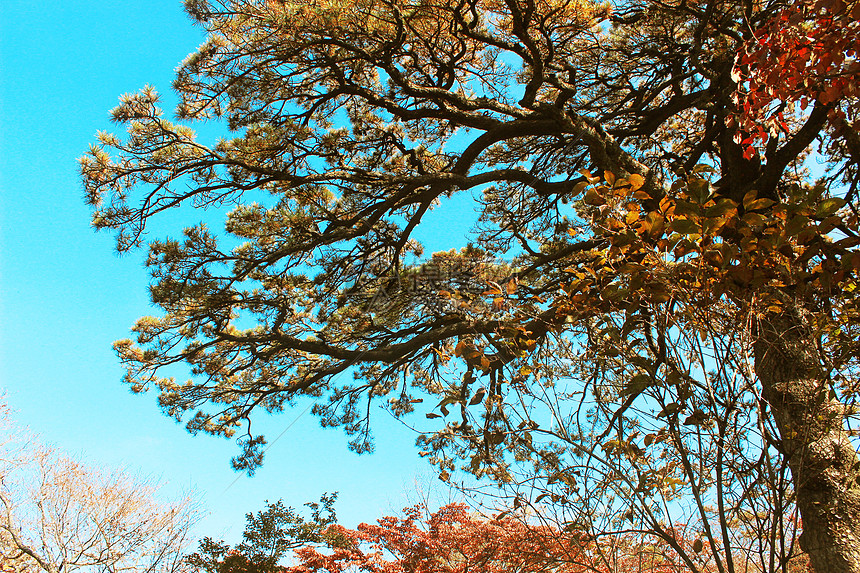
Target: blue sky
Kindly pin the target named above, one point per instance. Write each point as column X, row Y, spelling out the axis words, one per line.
column 65, row 296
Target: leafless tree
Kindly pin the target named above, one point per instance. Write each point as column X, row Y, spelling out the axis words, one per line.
column 59, row 515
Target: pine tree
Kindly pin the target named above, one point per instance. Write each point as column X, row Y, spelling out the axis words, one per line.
column 674, row 329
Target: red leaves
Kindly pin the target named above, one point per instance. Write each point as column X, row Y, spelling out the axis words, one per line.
column 805, row 53
column 453, row 540
column 447, row 541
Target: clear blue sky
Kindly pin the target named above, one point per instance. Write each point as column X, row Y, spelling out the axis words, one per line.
column 65, row 296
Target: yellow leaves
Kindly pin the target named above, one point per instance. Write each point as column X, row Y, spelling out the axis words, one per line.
column 762, row 203
column 667, row 206
column 559, row 16
column 655, row 224
column 632, row 214
column 592, row 180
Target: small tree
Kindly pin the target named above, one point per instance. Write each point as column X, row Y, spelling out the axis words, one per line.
column 268, row 537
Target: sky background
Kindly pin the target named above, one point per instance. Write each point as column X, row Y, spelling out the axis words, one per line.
column 65, row 295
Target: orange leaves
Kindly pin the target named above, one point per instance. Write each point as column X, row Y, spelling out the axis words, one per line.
column 472, row 355
column 594, row 197
column 454, row 540
column 461, row 347
column 636, row 181
column 599, row 193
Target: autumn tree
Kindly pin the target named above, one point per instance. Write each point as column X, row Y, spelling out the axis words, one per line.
column 452, row 539
column 449, row 540
column 671, row 337
column 58, row 515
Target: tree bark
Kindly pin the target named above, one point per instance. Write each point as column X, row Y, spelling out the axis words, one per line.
column 824, row 464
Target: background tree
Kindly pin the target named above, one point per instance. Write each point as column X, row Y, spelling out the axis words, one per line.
column 268, row 537
column 57, row 515
column 452, row 540
column 674, row 337
column 11, row 559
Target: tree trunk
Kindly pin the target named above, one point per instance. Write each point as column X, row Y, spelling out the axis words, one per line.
column 823, row 462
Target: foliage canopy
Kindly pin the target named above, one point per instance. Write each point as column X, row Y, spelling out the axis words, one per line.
column 672, row 335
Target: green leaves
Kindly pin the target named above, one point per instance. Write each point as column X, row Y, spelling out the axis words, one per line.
column 269, row 535
column 636, row 385
column 829, row 206
column 685, row 226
